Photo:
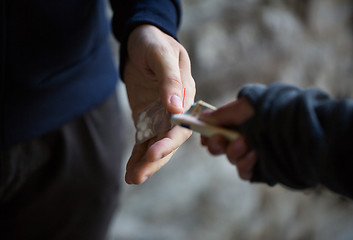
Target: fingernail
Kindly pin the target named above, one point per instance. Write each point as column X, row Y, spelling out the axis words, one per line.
column 176, row 101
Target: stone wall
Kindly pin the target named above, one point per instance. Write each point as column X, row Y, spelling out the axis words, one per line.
column 233, row 42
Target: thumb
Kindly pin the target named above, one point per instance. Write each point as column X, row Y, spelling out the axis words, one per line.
column 167, row 71
column 231, row 114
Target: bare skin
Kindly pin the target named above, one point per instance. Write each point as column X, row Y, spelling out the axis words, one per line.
column 238, row 152
column 157, row 67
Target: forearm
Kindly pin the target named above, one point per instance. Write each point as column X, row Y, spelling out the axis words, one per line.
column 300, row 136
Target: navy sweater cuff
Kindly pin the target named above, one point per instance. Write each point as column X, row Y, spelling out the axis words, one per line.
column 164, row 14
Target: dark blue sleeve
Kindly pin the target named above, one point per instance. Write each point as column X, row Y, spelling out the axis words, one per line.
column 128, row 14
column 303, row 138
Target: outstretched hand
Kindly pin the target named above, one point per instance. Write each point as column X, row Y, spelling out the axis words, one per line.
column 238, row 152
column 157, row 67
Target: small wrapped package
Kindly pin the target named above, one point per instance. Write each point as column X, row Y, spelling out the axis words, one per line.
column 154, row 119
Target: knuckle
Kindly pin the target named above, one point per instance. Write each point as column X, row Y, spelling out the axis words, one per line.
column 174, row 79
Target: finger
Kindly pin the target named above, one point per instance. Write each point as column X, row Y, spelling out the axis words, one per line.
column 237, row 149
column 204, row 140
column 162, row 148
column 217, row 144
column 137, row 156
column 231, row 114
column 156, row 157
column 169, row 141
column 245, row 165
column 144, row 169
column 143, row 164
column 165, row 65
column 187, row 79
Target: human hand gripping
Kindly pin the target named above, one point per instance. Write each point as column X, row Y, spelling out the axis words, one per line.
column 238, row 152
column 157, row 67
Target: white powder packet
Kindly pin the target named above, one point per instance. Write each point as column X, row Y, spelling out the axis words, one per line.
column 154, row 119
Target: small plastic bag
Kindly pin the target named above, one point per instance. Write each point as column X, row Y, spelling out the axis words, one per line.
column 154, row 119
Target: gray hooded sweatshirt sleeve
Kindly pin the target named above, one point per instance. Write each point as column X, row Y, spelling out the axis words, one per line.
column 303, row 138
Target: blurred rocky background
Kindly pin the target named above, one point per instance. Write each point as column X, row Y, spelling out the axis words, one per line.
column 233, row 42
